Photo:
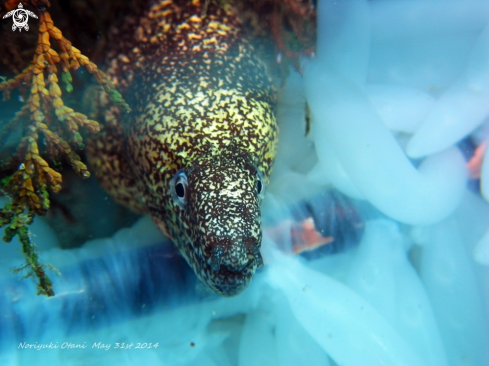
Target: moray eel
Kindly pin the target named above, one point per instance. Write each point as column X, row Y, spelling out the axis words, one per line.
column 197, row 149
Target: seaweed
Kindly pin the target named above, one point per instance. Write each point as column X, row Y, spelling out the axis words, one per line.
column 44, row 115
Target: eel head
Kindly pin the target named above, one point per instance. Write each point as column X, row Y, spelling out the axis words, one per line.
column 218, row 218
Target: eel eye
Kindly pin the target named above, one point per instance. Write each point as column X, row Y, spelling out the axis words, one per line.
column 179, row 188
column 260, row 184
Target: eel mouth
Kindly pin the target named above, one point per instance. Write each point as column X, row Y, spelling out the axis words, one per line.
column 227, row 269
column 230, row 280
column 229, row 283
column 235, row 258
column 234, row 273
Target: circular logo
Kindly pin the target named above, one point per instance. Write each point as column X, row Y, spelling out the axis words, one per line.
column 20, row 17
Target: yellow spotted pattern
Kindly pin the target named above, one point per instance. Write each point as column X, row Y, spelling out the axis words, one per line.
column 203, row 103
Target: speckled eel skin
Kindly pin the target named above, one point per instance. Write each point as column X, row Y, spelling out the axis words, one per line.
column 197, row 149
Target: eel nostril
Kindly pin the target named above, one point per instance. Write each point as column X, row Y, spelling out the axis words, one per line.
column 255, row 253
column 217, row 254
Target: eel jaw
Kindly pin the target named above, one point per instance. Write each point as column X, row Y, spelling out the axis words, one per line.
column 230, row 268
column 235, row 257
